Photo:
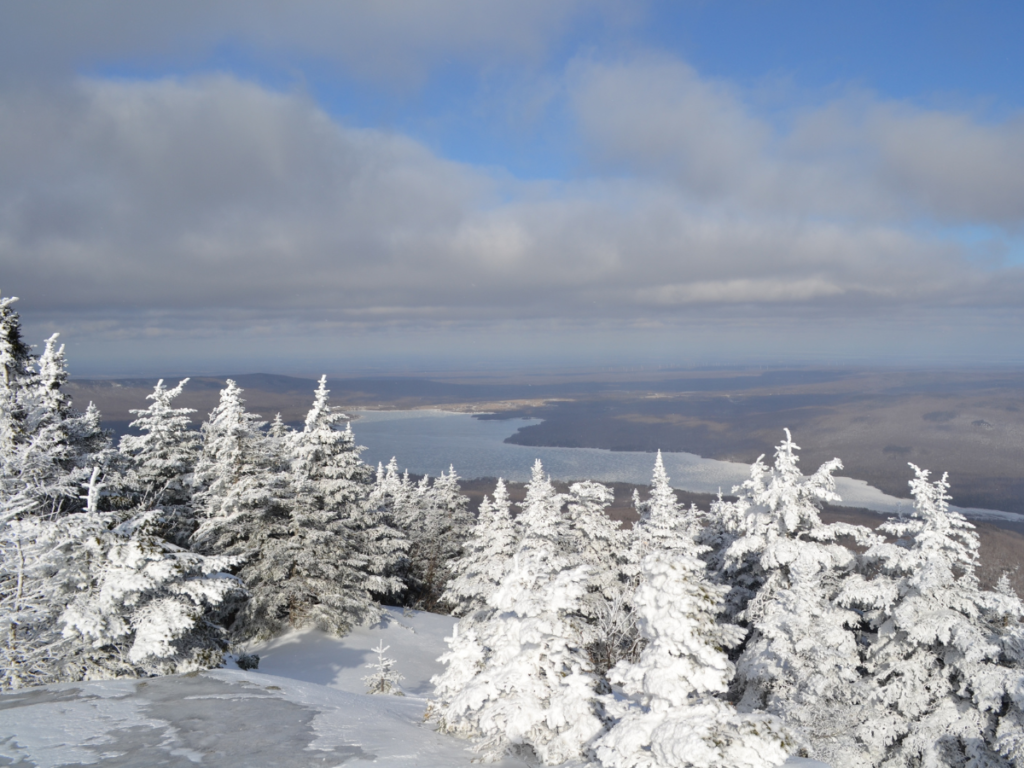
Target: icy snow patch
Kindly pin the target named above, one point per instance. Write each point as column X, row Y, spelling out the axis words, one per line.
column 305, row 706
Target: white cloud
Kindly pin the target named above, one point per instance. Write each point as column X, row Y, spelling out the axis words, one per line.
column 856, row 157
column 215, row 208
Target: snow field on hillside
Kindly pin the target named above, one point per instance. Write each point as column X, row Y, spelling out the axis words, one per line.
column 305, row 706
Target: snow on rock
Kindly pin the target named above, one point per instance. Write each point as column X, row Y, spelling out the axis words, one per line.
column 303, row 707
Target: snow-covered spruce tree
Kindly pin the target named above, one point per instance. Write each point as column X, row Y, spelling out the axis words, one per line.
column 44, row 562
column 1005, row 618
column 946, row 680
column 46, row 448
column 242, row 503
column 17, row 364
column 598, row 542
column 532, row 685
column 800, row 661
column 278, row 429
column 382, row 538
column 384, row 679
column 147, row 605
column 83, row 597
column 594, row 539
column 163, row 459
column 675, row 715
column 325, row 575
column 664, row 523
column 36, row 557
column 486, row 556
column 438, row 523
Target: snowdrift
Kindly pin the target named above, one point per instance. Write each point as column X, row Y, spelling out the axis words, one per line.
column 304, row 706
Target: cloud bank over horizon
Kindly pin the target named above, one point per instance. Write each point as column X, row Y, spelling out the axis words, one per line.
column 203, row 212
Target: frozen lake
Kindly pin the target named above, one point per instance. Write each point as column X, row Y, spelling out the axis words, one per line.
column 427, row 441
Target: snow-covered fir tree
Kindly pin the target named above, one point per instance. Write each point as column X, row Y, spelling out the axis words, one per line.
column 242, row 501
column 532, row 684
column 1005, row 618
column 17, row 364
column 163, row 458
column 801, row 659
column 278, row 429
column 47, row 449
column 390, row 500
column 148, row 607
column 438, row 522
column 675, row 715
column 946, row 669
column 486, row 555
column 384, row 680
column 381, row 539
column 664, row 523
column 595, row 540
column 233, row 496
column 325, row 575
column 38, row 555
column 86, row 597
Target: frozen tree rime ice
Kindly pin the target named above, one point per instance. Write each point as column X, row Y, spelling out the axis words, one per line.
column 675, row 716
column 528, row 682
column 486, row 555
column 384, row 679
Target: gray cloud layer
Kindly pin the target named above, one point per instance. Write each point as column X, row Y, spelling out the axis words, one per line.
column 196, row 206
column 855, row 157
column 386, row 41
column 216, row 192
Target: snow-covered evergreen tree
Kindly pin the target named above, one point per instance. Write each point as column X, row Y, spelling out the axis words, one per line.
column 278, row 429
column 598, row 542
column 664, row 523
column 163, row 459
column 384, row 679
column 147, row 606
column 59, row 541
column 325, row 577
column 389, row 501
column 242, row 501
column 594, row 539
column 37, row 556
column 233, row 498
column 17, row 364
column 533, row 685
column 945, row 683
column 801, row 659
column 438, row 522
column 381, row 539
column 542, row 517
column 46, row 448
column 486, row 555
column 676, row 716
column 84, row 597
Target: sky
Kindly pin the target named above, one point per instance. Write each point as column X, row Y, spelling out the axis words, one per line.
column 431, row 185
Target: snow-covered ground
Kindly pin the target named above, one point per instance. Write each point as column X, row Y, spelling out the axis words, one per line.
column 305, row 706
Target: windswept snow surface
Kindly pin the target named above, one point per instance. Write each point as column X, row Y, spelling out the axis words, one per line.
column 305, row 706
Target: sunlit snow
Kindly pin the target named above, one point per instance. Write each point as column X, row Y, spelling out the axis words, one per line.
column 305, row 706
